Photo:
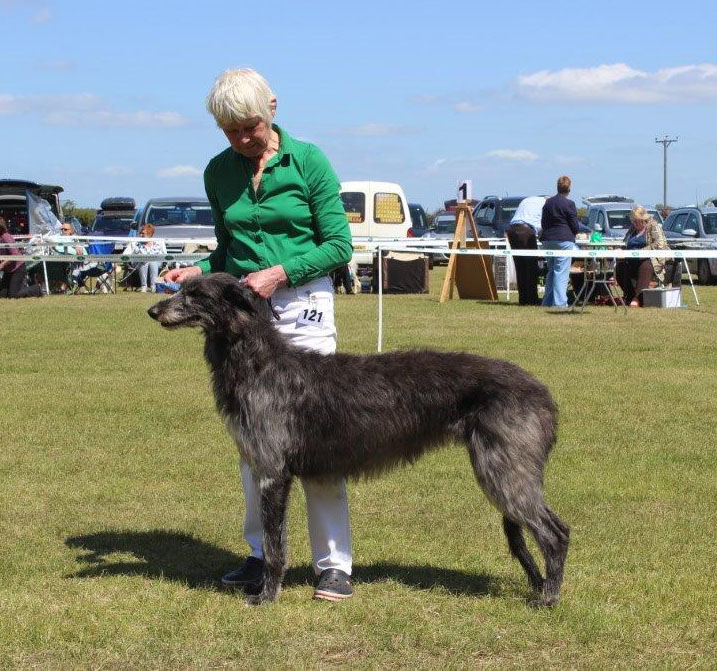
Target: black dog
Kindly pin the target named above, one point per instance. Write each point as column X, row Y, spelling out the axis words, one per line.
column 300, row 413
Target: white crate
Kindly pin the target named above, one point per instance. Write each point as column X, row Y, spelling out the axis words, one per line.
column 662, row 298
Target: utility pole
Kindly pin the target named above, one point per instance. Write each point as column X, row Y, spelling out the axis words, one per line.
column 665, row 142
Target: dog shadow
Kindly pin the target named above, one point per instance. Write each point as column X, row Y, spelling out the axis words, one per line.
column 177, row 556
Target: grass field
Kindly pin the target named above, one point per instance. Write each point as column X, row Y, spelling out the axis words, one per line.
column 119, row 501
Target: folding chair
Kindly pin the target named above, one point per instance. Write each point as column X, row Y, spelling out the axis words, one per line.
column 102, row 271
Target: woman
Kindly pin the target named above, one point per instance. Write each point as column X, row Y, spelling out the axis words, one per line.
column 644, row 233
column 149, row 248
column 280, row 226
column 58, row 274
column 559, row 224
column 13, row 283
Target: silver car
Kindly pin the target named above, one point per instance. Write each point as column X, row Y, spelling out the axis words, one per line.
column 177, row 219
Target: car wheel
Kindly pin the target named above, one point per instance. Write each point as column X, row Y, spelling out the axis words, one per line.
column 704, row 276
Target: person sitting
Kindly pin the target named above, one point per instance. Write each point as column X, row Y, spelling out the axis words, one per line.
column 58, row 273
column 146, row 247
column 13, row 283
column 635, row 275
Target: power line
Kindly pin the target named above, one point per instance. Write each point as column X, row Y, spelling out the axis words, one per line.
column 665, row 142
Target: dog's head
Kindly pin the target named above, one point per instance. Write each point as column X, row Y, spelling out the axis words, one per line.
column 215, row 302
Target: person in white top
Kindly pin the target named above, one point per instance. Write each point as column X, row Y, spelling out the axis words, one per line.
column 523, row 234
column 148, row 248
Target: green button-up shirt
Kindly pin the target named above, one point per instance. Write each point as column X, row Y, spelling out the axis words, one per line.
column 296, row 219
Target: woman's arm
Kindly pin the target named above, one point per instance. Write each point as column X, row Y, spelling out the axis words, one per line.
column 329, row 219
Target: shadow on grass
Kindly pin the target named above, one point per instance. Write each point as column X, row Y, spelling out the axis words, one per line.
column 173, row 555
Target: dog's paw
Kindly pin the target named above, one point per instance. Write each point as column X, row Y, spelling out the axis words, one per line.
column 262, row 597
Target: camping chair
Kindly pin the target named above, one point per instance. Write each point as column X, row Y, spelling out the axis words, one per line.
column 100, row 271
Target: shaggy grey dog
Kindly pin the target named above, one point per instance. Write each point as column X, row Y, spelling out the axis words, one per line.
column 300, row 413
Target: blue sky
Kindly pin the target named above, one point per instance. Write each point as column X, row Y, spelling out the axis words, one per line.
column 107, row 99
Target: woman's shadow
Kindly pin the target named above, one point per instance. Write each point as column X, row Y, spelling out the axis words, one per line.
column 178, row 556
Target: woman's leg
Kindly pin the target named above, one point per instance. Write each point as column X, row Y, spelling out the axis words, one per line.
column 549, row 282
column 562, row 276
column 143, row 267
column 623, row 276
column 644, row 276
column 153, row 272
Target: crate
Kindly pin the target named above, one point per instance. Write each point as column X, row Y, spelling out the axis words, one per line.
column 662, row 298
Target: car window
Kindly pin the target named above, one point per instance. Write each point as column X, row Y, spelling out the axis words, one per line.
column 655, row 215
column 175, row 214
column 507, row 212
column 592, row 218
column 112, row 224
column 693, row 223
column 388, row 208
column 480, row 212
column 679, row 223
column 445, row 224
column 618, row 219
column 355, row 206
column 669, row 222
column 601, row 220
column 710, row 223
column 418, row 217
column 490, row 212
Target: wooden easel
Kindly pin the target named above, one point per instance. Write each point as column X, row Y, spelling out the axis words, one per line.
column 471, row 275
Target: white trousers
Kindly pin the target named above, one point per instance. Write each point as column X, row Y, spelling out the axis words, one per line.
column 327, row 507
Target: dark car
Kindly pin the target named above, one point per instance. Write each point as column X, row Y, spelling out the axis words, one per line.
column 687, row 225
column 419, row 222
column 176, row 219
column 114, row 218
column 492, row 215
column 13, row 202
column 444, row 228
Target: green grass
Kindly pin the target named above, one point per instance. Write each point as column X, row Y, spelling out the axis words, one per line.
column 119, row 501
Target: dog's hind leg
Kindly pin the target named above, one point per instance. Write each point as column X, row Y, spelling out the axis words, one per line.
column 274, row 494
column 511, row 478
column 553, row 537
column 519, row 550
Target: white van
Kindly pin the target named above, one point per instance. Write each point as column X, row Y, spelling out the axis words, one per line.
column 374, row 210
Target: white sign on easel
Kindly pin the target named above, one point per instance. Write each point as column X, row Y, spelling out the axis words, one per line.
column 465, row 190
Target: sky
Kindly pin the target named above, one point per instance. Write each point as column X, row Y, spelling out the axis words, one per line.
column 107, row 98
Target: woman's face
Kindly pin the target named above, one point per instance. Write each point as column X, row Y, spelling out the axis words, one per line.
column 249, row 138
column 639, row 224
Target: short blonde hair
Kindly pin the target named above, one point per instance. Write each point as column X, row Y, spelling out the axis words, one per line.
column 238, row 95
column 639, row 213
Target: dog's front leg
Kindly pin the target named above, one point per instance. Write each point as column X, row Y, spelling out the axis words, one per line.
column 274, row 494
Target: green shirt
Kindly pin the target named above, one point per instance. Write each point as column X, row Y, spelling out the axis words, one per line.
column 296, row 220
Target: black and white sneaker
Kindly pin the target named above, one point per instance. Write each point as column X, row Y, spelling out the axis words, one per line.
column 247, row 576
column 334, row 585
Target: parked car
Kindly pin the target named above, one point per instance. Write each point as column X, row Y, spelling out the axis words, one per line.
column 419, row 221
column 492, row 215
column 114, row 218
column 444, row 228
column 612, row 219
column 177, row 219
column 686, row 224
column 13, row 202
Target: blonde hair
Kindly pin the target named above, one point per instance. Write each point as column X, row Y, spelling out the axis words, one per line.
column 639, row 213
column 147, row 231
column 238, row 95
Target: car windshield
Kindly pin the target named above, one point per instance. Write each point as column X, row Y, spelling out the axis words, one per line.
column 112, row 225
column 710, row 223
column 445, row 224
column 618, row 219
column 176, row 214
column 655, row 215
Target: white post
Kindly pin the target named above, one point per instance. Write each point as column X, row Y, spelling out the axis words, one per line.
column 380, row 299
column 47, row 284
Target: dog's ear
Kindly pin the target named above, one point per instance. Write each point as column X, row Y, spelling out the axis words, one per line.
column 239, row 295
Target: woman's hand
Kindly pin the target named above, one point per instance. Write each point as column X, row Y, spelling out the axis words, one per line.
column 265, row 282
column 179, row 275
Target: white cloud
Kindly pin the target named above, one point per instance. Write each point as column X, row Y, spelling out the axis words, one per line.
column 179, row 171
column 620, row 83
column 375, row 130
column 85, row 109
column 466, row 107
column 518, row 155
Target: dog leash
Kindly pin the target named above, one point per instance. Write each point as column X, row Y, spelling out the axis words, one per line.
column 272, row 309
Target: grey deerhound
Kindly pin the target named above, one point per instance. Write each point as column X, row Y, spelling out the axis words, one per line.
column 300, row 413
